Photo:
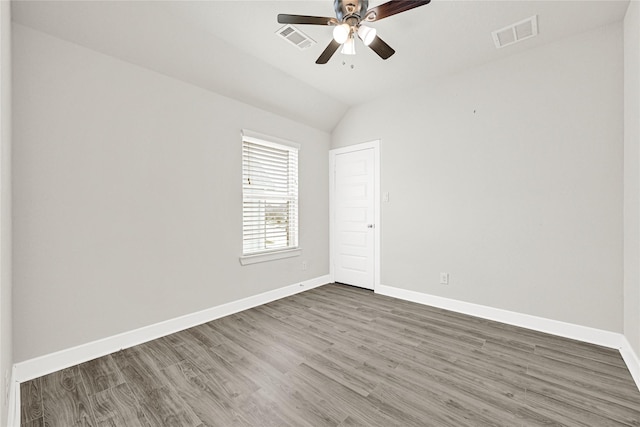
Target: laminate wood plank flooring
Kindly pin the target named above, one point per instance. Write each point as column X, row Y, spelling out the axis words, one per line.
column 342, row 356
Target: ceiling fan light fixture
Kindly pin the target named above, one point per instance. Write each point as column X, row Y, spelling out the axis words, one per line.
column 366, row 34
column 341, row 33
column 349, row 47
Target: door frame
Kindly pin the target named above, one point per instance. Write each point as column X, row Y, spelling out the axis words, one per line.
column 371, row 145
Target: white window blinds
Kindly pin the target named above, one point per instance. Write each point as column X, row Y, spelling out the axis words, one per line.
column 269, row 196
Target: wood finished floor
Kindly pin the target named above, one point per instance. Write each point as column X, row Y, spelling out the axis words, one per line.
column 342, row 356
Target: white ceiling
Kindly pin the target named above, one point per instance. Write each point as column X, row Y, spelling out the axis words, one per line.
column 230, row 47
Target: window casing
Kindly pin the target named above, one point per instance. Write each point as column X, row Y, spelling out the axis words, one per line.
column 269, row 195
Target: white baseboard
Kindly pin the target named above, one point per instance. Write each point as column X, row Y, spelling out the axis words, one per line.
column 53, row 362
column 555, row 327
column 13, row 408
column 631, row 359
column 47, row 364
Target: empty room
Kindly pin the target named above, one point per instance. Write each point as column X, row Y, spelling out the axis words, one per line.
column 319, row 213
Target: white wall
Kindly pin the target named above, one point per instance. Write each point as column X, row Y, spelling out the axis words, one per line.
column 632, row 175
column 127, row 197
column 509, row 177
column 6, row 343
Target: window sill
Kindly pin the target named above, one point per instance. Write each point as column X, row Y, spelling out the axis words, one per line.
column 270, row 256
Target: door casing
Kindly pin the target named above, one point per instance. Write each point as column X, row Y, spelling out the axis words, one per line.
column 375, row 146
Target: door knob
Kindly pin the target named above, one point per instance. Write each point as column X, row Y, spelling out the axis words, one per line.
column 369, row 225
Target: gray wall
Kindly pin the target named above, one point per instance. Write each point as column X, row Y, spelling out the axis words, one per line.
column 127, row 197
column 6, row 341
column 632, row 175
column 509, row 177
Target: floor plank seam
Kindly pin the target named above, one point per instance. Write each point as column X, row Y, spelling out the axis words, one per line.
column 92, row 412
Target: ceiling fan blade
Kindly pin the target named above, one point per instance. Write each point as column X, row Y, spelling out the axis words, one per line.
column 326, row 55
column 391, row 8
column 303, row 19
column 383, row 50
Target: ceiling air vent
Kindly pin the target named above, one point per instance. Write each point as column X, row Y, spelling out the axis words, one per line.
column 517, row 32
column 295, row 36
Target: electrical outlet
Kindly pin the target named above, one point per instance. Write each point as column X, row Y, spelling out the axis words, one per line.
column 304, row 265
column 444, row 278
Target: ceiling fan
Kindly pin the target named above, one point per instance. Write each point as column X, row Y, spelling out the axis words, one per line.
column 350, row 16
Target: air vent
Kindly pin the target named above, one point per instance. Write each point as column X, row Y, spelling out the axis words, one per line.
column 517, row 32
column 295, row 37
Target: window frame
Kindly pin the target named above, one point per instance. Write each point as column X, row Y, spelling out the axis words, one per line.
column 278, row 253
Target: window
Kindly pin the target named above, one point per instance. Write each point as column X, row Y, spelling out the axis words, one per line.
column 269, row 195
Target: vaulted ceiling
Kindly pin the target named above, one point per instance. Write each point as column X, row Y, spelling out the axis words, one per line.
column 231, row 47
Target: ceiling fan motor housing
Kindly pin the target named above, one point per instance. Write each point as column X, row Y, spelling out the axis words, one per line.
column 348, row 8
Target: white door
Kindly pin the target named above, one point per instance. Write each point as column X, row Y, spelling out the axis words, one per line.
column 354, row 225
